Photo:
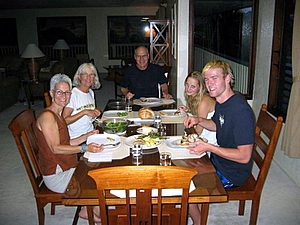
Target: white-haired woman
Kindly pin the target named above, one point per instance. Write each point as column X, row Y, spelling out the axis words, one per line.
column 82, row 106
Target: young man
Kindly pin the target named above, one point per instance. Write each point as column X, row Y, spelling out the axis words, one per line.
column 234, row 123
column 143, row 78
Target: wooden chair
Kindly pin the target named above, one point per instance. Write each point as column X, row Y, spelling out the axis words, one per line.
column 47, row 99
column 22, row 129
column 266, row 136
column 139, row 210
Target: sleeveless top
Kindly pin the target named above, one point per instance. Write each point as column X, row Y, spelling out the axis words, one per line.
column 47, row 160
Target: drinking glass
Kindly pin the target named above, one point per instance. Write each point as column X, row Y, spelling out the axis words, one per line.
column 165, row 159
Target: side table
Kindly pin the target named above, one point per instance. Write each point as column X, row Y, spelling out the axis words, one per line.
column 34, row 90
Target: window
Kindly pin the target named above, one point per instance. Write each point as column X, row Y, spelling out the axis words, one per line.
column 9, row 38
column 126, row 33
column 71, row 29
column 281, row 78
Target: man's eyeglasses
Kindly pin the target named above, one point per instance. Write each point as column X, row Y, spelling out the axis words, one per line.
column 86, row 74
column 60, row 92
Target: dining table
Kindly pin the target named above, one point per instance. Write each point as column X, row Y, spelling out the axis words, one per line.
column 208, row 187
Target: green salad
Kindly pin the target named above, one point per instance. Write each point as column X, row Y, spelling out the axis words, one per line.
column 122, row 114
column 115, row 127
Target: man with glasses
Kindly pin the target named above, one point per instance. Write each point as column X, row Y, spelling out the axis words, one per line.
column 142, row 79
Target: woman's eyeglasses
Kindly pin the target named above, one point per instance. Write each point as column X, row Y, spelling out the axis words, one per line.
column 60, row 92
column 86, row 74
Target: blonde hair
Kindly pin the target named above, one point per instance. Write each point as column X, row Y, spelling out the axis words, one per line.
column 193, row 101
column 224, row 66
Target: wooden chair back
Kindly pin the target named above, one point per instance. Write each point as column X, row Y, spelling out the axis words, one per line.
column 267, row 132
column 22, row 130
column 47, row 99
column 142, row 179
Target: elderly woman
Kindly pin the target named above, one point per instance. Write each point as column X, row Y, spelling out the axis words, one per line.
column 82, row 107
column 58, row 153
column 199, row 103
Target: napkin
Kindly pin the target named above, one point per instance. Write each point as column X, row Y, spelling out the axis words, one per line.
column 165, row 192
column 98, row 157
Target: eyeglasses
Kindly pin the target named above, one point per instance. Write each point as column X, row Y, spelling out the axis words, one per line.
column 86, row 74
column 60, row 92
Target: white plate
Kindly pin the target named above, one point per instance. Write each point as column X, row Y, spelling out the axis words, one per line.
column 146, row 130
column 114, row 114
column 103, row 139
column 129, row 142
column 152, row 102
column 170, row 113
column 175, row 142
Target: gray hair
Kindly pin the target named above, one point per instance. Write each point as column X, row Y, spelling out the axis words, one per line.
column 81, row 69
column 59, row 78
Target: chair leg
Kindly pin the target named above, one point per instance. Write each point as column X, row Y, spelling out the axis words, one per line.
column 76, row 216
column 204, row 213
column 90, row 215
column 52, row 212
column 41, row 212
column 254, row 211
column 241, row 207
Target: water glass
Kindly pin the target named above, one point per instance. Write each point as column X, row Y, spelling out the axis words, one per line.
column 165, row 159
column 128, row 106
column 137, row 149
column 137, row 154
column 162, row 130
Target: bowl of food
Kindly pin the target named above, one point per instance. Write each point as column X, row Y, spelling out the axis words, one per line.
column 114, row 126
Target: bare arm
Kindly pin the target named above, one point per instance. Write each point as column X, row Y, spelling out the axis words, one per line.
column 241, row 154
column 71, row 119
column 206, row 123
column 48, row 125
column 205, row 106
column 165, row 91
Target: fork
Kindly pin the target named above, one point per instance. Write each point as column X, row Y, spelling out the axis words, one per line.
column 113, row 144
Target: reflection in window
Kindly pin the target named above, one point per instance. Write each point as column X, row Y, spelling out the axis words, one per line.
column 125, row 33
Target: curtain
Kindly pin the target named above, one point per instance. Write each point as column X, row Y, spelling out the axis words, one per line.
column 291, row 136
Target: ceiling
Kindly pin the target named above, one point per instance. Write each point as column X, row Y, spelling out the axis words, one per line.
column 202, row 7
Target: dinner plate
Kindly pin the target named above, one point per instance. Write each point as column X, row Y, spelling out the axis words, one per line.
column 116, row 105
column 114, row 114
column 104, row 139
column 151, row 102
column 170, row 113
column 129, row 142
column 175, row 142
column 146, row 130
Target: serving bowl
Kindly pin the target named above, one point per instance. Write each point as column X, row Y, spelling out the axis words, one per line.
column 114, row 126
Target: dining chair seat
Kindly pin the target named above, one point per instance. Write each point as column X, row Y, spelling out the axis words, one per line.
column 267, row 132
column 143, row 208
column 22, row 130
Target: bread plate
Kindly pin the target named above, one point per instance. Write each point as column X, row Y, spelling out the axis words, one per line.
column 171, row 113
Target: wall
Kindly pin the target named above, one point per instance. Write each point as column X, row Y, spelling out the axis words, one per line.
column 96, row 26
column 261, row 82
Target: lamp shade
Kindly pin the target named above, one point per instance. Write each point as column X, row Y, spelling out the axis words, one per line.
column 61, row 44
column 32, row 51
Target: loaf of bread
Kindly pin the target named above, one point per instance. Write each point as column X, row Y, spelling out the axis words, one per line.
column 146, row 113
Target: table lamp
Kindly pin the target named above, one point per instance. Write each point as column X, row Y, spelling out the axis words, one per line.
column 62, row 46
column 31, row 52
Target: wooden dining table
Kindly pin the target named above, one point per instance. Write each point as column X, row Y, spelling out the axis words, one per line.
column 208, row 187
